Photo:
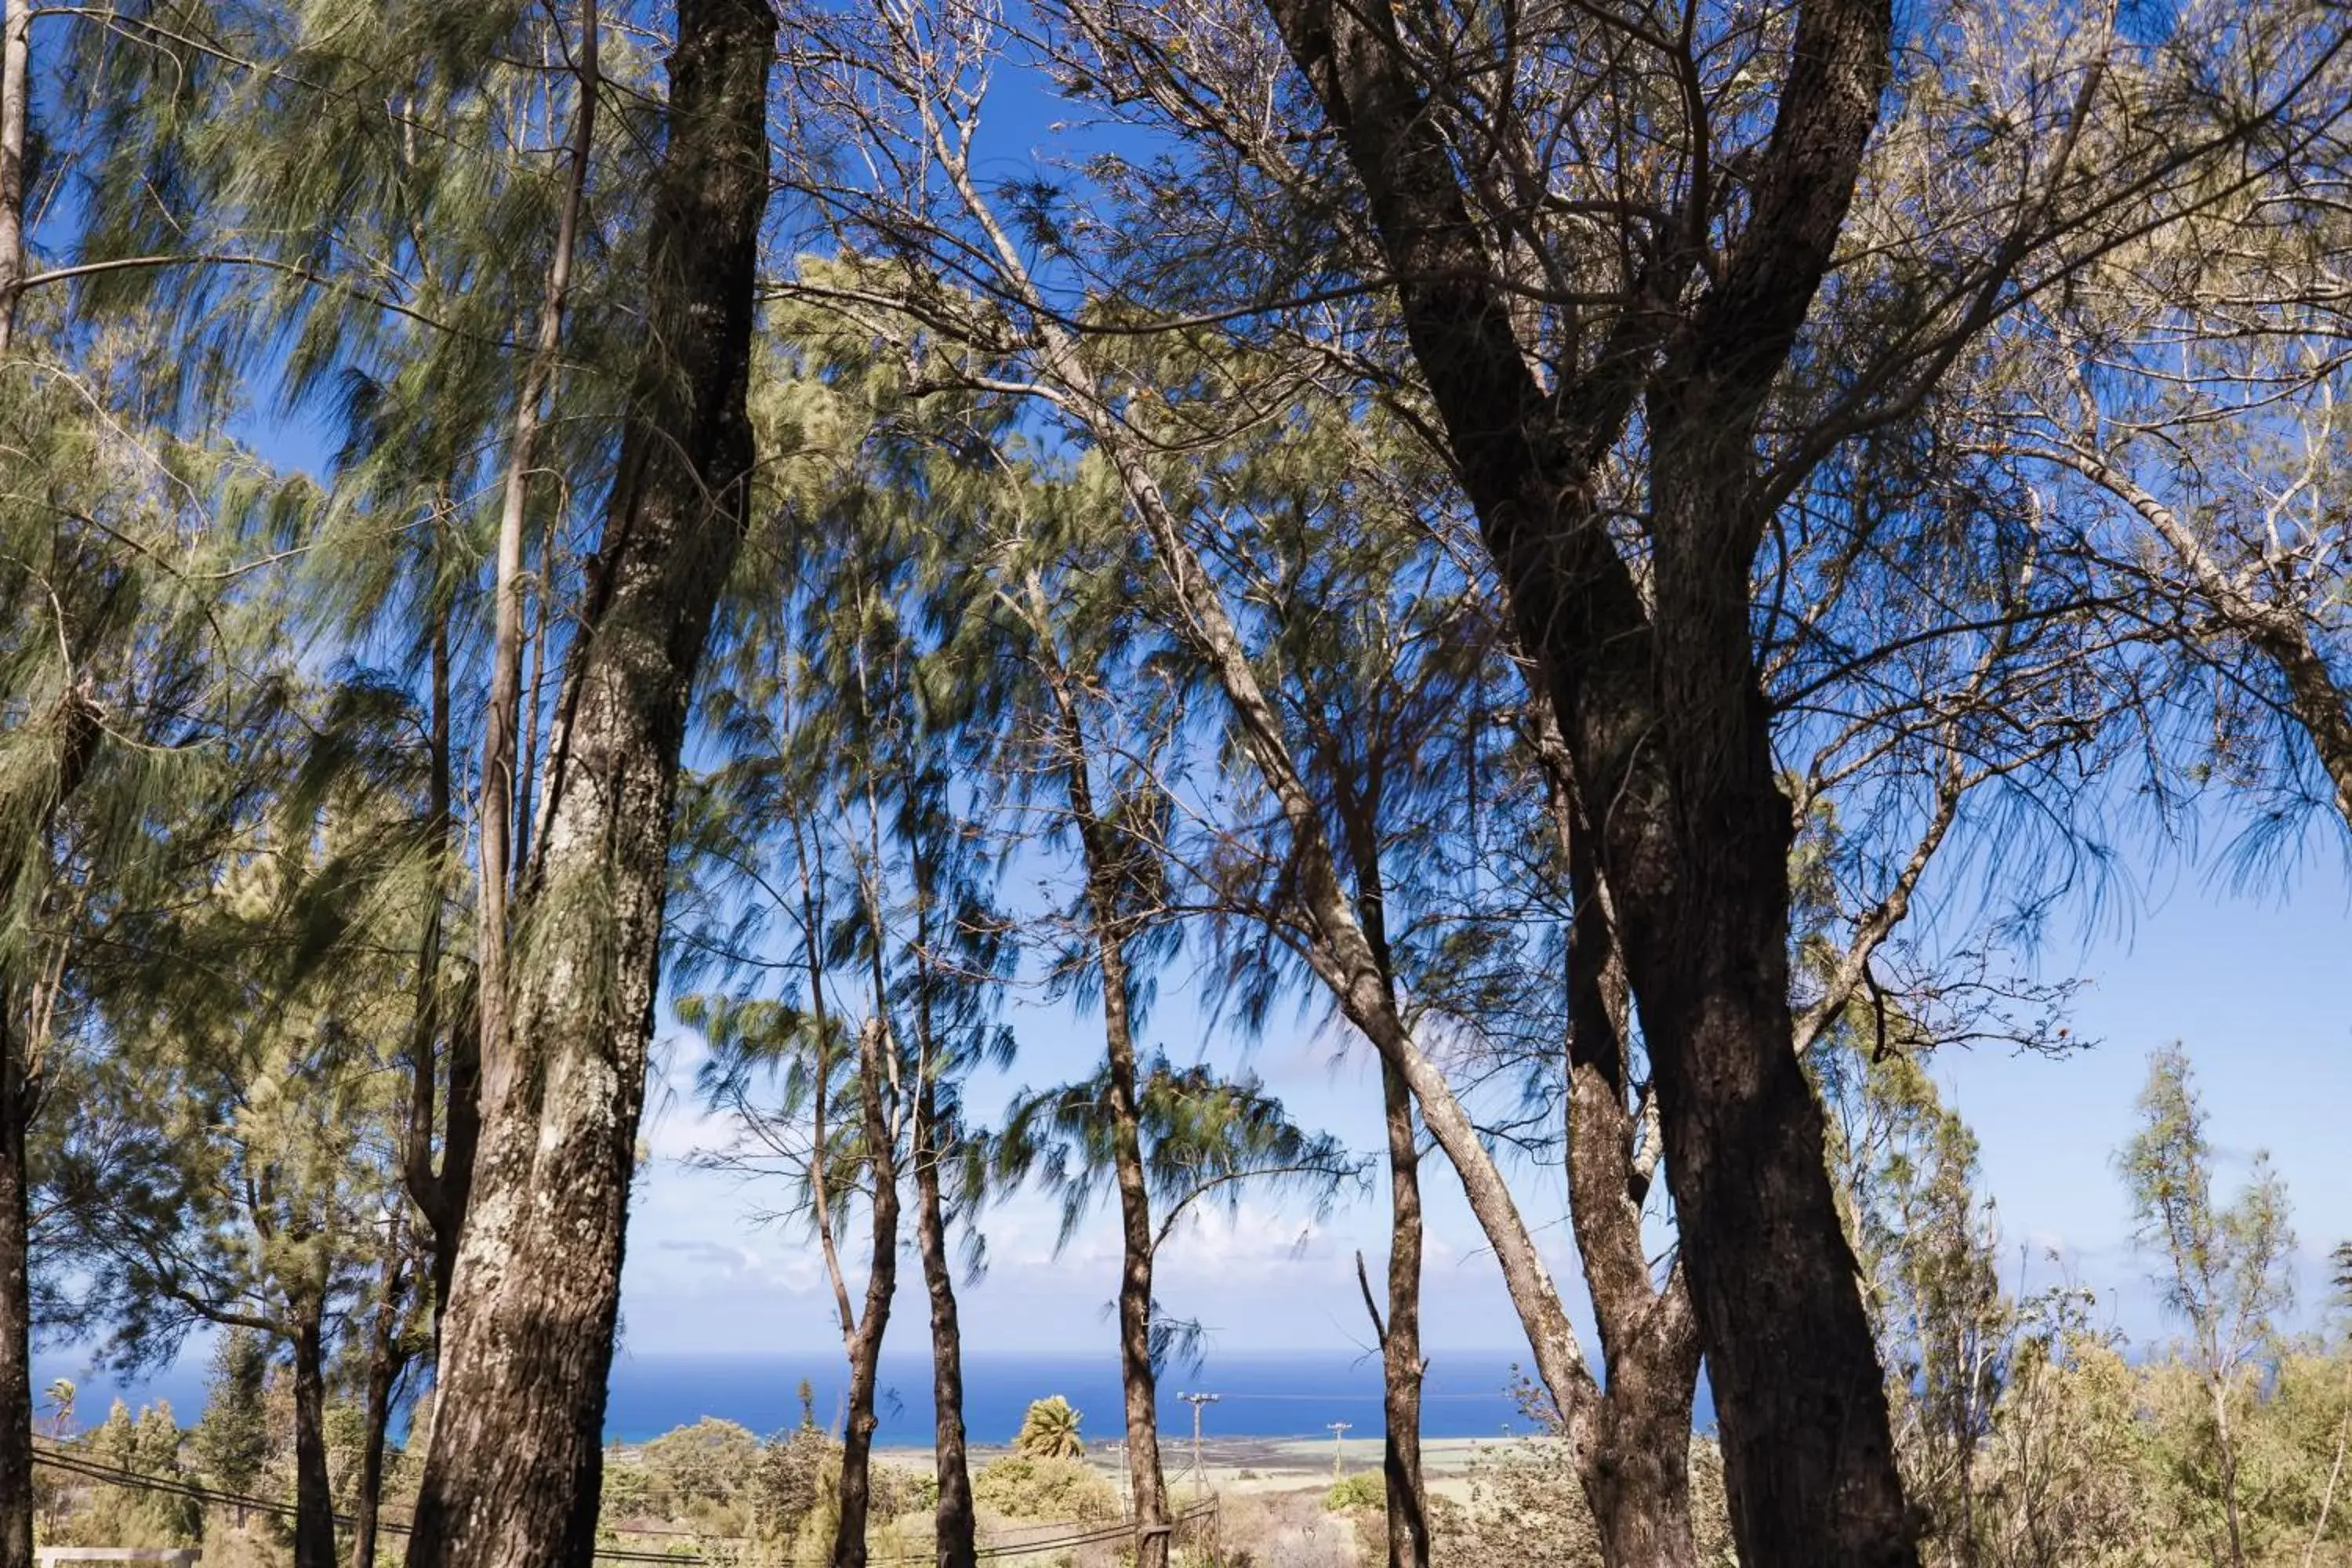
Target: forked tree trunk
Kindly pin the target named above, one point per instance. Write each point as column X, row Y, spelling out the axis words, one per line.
column 881, row 1281
column 956, row 1529
column 1662, row 712
column 314, row 1497
column 513, row 1476
column 1139, row 1380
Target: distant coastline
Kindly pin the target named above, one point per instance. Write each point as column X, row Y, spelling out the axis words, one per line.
column 1261, row 1394
column 1268, row 1394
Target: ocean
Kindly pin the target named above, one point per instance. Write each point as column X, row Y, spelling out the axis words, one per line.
column 1261, row 1394
column 1467, row 1394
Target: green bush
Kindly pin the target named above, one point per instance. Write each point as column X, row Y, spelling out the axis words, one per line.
column 1365, row 1489
column 1021, row 1488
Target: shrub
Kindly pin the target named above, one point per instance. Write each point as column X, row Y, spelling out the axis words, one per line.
column 1018, row 1487
column 797, row 1475
column 1365, row 1489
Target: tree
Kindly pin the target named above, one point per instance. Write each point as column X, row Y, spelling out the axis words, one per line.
column 1632, row 381
column 518, row 1433
column 232, row 1437
column 2227, row 1271
column 147, row 1446
column 1049, row 1430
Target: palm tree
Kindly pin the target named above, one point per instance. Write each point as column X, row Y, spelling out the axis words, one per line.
column 1049, row 1431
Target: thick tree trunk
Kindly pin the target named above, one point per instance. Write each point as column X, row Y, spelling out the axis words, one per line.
column 955, row 1527
column 314, row 1497
column 1662, row 711
column 516, row 1454
column 881, row 1281
column 15, row 1304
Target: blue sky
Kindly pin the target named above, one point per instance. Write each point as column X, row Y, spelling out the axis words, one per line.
column 2248, row 980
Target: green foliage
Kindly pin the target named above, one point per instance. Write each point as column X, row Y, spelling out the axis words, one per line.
column 2226, row 1271
column 1059, row 1489
column 127, row 1516
column 1049, row 1430
column 232, row 1438
column 1365, row 1489
column 698, row 1471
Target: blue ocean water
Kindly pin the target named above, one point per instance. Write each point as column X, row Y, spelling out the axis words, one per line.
column 1467, row 1394
column 1263, row 1394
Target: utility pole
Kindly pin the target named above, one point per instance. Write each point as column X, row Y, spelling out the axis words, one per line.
column 1200, row 1475
column 1340, row 1449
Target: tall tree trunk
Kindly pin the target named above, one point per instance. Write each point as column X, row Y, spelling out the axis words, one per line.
column 77, row 720
column 1637, row 1477
column 1139, row 1379
column 2225, row 1440
column 385, row 1361
column 18, row 1089
column 439, row 1193
column 498, row 813
column 515, row 1469
column 16, row 105
column 1401, row 1366
column 881, row 1279
column 1661, row 706
column 314, row 1497
column 956, row 1529
column 17, row 1095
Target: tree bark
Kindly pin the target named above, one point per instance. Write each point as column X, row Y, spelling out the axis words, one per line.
column 384, row 1363
column 1638, row 1474
column 1401, row 1366
column 1139, row 1380
column 1662, row 712
column 440, row 1193
column 881, row 1281
column 15, row 1302
column 956, row 1529
column 16, row 103
column 516, row 1453
column 493, row 932
column 76, row 718
column 314, row 1498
